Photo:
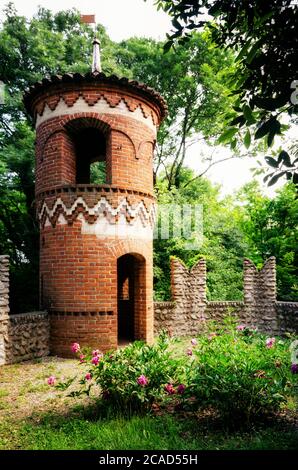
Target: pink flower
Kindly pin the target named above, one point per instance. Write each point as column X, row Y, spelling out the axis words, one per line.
column 181, row 389
column 95, row 360
column 88, row 376
column 189, row 352
column 194, row 342
column 82, row 358
column 270, row 342
column 51, row 380
column 170, row 389
column 240, row 327
column 96, row 352
column 142, row 380
column 75, row 347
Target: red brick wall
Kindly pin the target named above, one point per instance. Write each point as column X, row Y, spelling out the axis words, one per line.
column 129, row 153
column 78, row 271
column 79, row 275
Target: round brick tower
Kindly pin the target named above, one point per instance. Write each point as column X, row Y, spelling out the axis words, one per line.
column 95, row 239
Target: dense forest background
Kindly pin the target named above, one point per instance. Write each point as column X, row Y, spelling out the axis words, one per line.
column 196, row 79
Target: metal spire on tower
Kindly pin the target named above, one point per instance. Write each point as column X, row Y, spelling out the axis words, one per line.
column 96, row 63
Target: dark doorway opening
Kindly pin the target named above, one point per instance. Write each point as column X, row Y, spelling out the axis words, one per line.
column 126, row 297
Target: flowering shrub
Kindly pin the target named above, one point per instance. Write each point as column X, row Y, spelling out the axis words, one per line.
column 134, row 377
column 233, row 369
column 241, row 373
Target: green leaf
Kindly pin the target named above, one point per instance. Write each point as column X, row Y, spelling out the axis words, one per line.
column 272, row 126
column 272, row 162
column 276, row 178
column 247, row 113
column 176, row 24
column 270, row 104
column 243, row 51
column 265, row 179
column 238, row 120
column 270, row 138
column 253, row 51
column 233, row 144
column 247, row 139
column 167, row 46
column 227, row 135
column 284, row 157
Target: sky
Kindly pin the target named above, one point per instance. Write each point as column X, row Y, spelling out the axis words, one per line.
column 126, row 18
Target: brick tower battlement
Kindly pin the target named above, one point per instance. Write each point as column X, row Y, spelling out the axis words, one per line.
column 95, row 239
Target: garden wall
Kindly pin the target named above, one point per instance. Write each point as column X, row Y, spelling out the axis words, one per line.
column 24, row 336
column 4, row 304
column 189, row 310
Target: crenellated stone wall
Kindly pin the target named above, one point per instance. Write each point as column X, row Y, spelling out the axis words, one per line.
column 24, row 336
column 4, row 304
column 189, row 294
column 165, row 317
column 287, row 316
column 189, row 310
column 260, row 295
column 27, row 337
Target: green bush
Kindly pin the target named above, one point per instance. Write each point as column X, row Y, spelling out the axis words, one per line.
column 232, row 369
column 134, row 377
column 238, row 374
column 131, row 379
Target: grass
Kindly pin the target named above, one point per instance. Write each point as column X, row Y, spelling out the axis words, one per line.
column 35, row 416
column 3, row 393
column 56, row 432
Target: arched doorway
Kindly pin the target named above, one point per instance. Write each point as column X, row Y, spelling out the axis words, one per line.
column 131, row 296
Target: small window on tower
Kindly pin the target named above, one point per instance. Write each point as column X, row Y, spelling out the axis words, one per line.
column 90, row 150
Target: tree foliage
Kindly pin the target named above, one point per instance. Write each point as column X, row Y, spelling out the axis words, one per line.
column 223, row 245
column 193, row 80
column 248, row 224
column 270, row 227
column 46, row 44
column 264, row 36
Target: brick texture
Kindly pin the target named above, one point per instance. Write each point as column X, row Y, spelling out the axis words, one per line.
column 78, row 268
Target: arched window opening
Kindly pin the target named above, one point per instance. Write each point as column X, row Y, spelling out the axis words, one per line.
column 90, row 149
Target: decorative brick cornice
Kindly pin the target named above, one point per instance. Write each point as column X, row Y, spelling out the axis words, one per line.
column 113, row 101
column 57, row 83
column 60, row 212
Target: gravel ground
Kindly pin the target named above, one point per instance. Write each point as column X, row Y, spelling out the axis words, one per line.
column 24, row 391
